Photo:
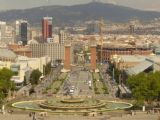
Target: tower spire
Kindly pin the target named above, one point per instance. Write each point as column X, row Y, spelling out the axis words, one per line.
column 47, row 5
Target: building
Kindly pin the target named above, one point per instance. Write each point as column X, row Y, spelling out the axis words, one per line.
column 24, row 32
column 23, row 66
column 46, row 28
column 33, row 34
column 63, row 36
column 122, row 62
column 53, row 50
column 6, row 33
column 2, row 30
column 93, row 27
column 111, row 49
column 20, row 50
column 7, row 55
column 134, row 64
column 131, row 29
column 17, row 31
column 21, row 29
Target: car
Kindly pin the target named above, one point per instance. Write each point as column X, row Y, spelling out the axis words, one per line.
column 73, row 87
column 71, row 92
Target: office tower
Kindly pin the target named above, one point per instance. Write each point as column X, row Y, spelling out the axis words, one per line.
column 24, row 32
column 17, row 30
column 93, row 27
column 46, row 28
column 17, row 27
column 21, row 31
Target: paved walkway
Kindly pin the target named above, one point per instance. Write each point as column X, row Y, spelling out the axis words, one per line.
column 142, row 116
column 139, row 116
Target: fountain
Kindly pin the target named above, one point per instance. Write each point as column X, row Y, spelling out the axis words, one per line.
column 71, row 105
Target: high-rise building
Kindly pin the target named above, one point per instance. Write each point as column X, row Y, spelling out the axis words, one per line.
column 63, row 36
column 17, row 31
column 21, row 31
column 24, row 32
column 93, row 27
column 46, row 28
column 6, row 33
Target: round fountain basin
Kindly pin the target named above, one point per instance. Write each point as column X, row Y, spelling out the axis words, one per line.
column 63, row 106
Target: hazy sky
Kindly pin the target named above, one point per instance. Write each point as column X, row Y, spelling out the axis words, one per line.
column 19, row 4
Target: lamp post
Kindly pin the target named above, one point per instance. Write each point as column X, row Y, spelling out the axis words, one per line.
column 113, row 74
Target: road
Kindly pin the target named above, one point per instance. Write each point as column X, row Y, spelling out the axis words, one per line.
column 112, row 87
column 79, row 79
column 48, row 80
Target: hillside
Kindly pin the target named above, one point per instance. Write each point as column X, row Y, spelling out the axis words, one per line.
column 69, row 14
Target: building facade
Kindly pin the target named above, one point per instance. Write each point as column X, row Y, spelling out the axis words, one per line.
column 46, row 28
column 24, row 32
column 109, row 51
column 63, row 36
column 53, row 50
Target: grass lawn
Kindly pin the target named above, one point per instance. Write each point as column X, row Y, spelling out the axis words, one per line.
column 98, row 84
column 55, row 86
column 96, row 76
column 62, row 76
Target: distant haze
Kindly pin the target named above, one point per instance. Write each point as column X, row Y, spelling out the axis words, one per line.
column 23, row 4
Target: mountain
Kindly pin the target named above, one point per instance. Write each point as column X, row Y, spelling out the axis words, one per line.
column 69, row 14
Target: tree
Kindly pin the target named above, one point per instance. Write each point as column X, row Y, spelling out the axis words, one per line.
column 35, row 75
column 5, row 74
column 145, row 86
column 48, row 68
column 116, row 72
column 5, row 83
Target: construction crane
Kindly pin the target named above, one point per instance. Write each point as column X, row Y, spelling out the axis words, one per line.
column 101, row 25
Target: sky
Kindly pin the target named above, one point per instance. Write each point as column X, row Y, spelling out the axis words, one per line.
column 21, row 4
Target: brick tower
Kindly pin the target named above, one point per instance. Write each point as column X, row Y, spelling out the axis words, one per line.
column 67, row 62
column 93, row 57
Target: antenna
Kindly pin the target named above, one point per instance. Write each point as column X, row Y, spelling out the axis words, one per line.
column 47, row 4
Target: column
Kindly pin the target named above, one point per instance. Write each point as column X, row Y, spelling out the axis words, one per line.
column 67, row 62
column 93, row 57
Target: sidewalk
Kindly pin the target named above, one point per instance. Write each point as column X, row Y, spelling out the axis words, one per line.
column 138, row 116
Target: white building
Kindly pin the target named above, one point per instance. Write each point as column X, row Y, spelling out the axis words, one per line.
column 24, row 67
column 63, row 36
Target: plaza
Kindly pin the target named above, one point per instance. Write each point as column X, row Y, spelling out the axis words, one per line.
column 138, row 116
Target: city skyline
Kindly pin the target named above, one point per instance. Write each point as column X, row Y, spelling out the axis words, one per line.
column 79, row 61
column 22, row 4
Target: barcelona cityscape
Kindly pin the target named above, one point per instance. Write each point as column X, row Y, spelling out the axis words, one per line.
column 79, row 60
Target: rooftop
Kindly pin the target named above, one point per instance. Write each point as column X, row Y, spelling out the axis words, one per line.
column 139, row 68
column 6, row 53
column 132, row 58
